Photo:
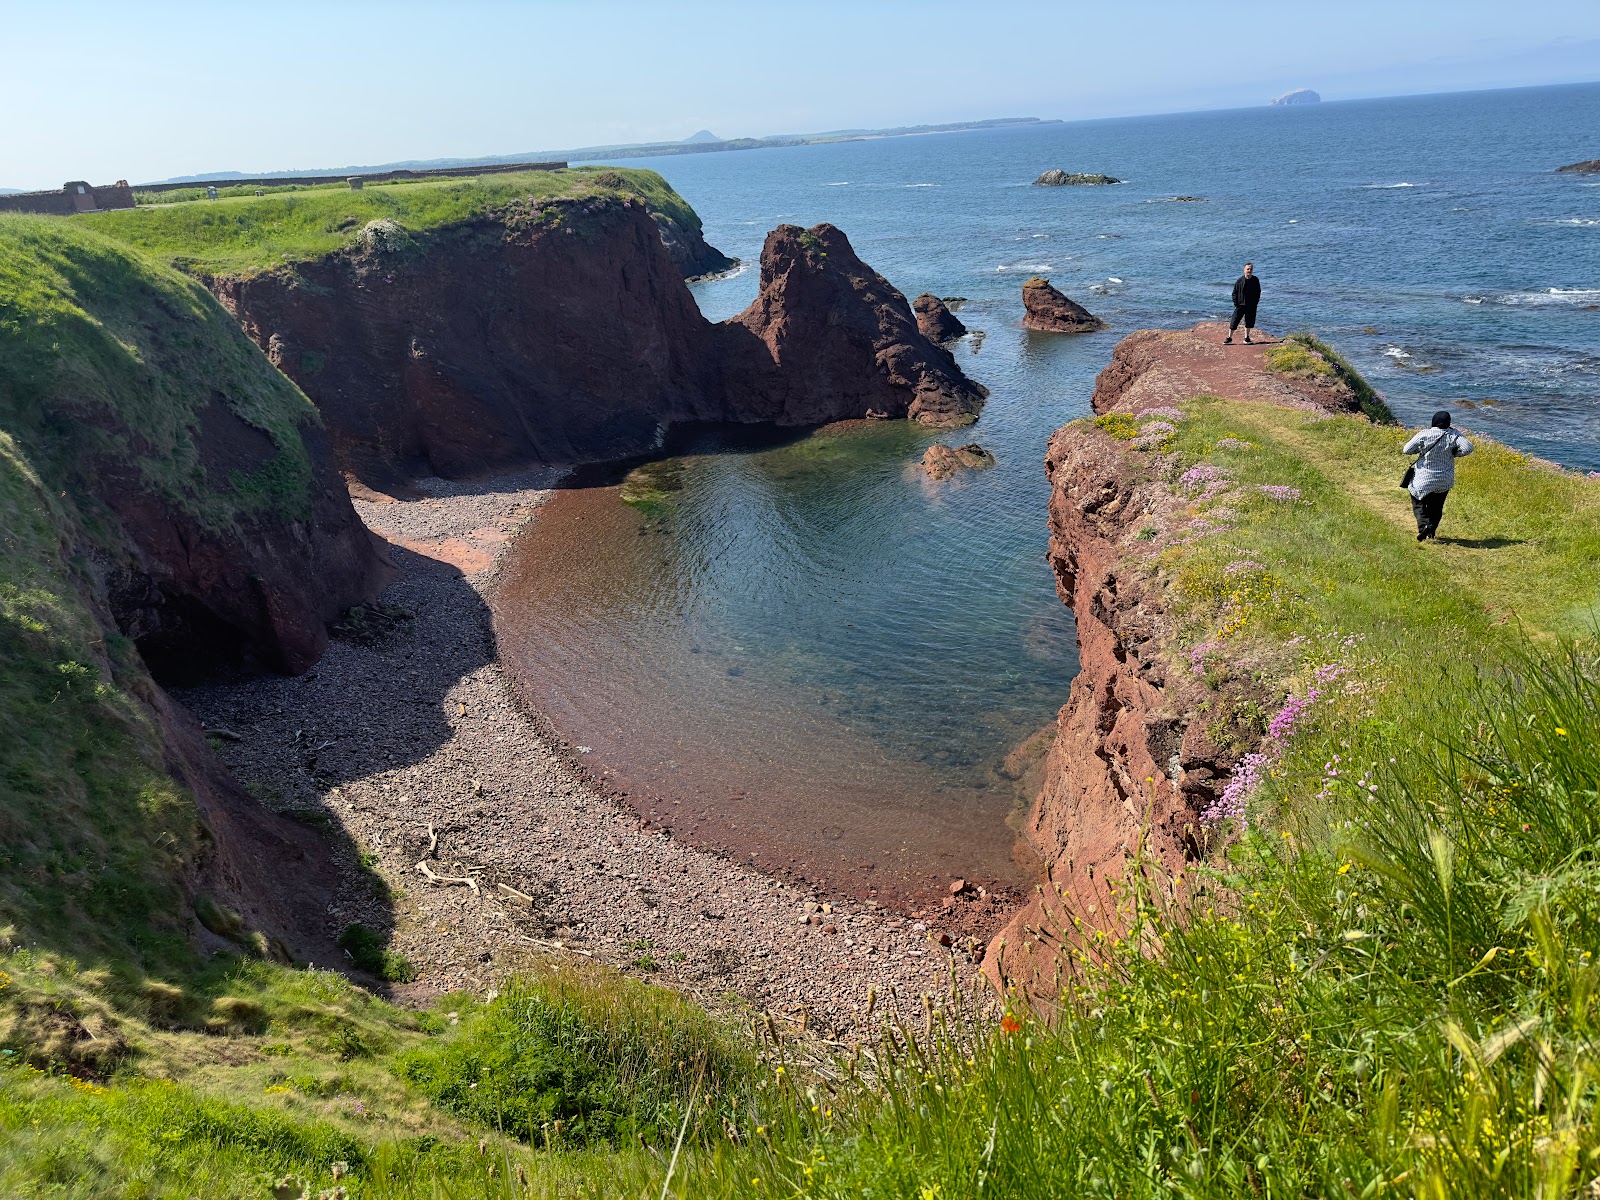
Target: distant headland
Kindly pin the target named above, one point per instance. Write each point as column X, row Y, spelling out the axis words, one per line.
column 702, row 142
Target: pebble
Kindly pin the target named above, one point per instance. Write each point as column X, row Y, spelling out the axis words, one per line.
column 426, row 740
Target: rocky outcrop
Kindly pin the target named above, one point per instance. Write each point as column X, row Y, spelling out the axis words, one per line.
column 561, row 332
column 1047, row 311
column 941, row 461
column 937, row 322
column 1132, row 764
column 696, row 258
column 1060, row 178
column 1587, row 167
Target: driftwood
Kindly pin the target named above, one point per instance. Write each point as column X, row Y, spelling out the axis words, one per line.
column 456, row 880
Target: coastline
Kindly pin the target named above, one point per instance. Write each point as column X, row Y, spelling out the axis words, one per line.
column 420, row 740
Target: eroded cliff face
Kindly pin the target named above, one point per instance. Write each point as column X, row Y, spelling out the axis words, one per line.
column 1134, row 762
column 200, row 598
column 159, row 482
column 561, row 332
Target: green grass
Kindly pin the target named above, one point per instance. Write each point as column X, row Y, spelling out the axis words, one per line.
column 248, row 234
column 107, row 361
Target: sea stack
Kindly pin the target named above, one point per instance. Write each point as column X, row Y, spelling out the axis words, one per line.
column 1048, row 311
column 937, row 322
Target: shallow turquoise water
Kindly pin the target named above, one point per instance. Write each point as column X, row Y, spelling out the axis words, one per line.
column 816, row 656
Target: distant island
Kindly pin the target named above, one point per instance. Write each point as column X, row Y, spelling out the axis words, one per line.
column 702, row 142
column 1056, row 177
column 1587, row 167
column 1298, row 96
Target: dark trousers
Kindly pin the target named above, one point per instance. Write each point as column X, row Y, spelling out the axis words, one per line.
column 1428, row 510
column 1245, row 313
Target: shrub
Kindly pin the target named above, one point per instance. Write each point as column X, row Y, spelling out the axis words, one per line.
column 580, row 1059
column 1122, row 426
column 366, row 949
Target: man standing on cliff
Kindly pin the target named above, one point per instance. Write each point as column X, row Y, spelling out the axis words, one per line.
column 1246, row 295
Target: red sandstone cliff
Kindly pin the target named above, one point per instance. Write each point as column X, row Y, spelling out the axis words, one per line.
column 562, row 332
column 258, row 593
column 1130, row 766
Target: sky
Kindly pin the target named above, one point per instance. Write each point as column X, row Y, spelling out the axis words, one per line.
column 146, row 89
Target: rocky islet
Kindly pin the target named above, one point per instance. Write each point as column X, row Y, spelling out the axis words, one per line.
column 1047, row 310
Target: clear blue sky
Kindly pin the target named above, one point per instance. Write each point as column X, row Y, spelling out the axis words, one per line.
column 145, row 89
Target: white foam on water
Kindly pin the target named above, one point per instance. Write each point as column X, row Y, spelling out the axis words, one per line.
column 1112, row 279
column 1577, row 221
column 844, row 183
column 1549, row 297
column 1384, row 187
column 922, row 185
column 1026, row 267
column 1396, row 352
column 1294, row 220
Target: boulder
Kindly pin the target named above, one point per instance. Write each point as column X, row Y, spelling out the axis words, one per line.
column 1048, row 311
column 1060, row 178
column 1587, row 167
column 937, row 322
column 941, row 461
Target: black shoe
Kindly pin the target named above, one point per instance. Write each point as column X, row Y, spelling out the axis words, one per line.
column 1248, row 342
column 1227, row 341
column 1421, row 537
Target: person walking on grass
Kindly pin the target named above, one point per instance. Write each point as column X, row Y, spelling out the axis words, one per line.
column 1246, row 295
column 1434, row 473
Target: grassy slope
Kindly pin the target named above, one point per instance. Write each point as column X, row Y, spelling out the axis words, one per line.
column 249, row 234
column 104, row 352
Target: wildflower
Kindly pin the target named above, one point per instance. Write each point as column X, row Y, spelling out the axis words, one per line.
column 1561, row 731
column 1279, row 491
column 1009, row 1024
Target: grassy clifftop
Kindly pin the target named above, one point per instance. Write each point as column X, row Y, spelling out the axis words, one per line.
column 105, row 352
column 252, row 233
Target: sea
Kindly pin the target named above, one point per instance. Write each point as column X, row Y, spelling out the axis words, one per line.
column 818, row 662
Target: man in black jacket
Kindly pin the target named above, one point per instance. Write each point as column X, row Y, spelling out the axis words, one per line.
column 1246, row 295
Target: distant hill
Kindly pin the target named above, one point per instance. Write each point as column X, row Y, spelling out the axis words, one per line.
column 10, row 191
column 703, row 142
column 1298, row 96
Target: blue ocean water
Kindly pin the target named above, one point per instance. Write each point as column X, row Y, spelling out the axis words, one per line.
column 828, row 659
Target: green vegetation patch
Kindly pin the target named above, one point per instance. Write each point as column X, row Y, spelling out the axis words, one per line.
column 1304, row 355
column 248, row 234
column 578, row 1057
column 111, row 363
column 653, row 488
column 367, row 950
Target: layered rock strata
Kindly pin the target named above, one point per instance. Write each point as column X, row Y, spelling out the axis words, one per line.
column 1046, row 310
column 934, row 318
column 1131, row 766
column 561, row 332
